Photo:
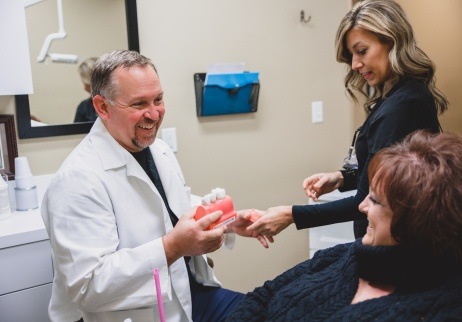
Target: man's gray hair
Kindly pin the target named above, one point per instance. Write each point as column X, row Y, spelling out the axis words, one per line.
column 102, row 82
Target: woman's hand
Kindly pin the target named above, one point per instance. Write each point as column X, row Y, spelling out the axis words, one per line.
column 244, row 219
column 321, row 183
column 275, row 220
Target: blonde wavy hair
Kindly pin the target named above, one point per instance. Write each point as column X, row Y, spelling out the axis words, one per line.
column 387, row 20
column 85, row 70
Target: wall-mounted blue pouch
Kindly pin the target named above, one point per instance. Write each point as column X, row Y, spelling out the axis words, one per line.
column 219, row 94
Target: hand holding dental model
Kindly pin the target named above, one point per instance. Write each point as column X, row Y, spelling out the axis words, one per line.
column 238, row 222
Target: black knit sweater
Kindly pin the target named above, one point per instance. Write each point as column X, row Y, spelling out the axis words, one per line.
column 321, row 289
column 408, row 107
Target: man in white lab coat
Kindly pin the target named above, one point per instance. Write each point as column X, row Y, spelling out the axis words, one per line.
column 118, row 208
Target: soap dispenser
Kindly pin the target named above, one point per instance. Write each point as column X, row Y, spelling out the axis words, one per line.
column 5, row 208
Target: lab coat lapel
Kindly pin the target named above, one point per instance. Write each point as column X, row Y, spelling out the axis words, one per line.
column 135, row 170
column 178, row 200
column 172, row 179
column 113, row 155
column 110, row 152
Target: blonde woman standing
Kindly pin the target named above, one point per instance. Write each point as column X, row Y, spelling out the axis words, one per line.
column 397, row 78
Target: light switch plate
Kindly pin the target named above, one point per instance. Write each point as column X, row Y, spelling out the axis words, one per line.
column 169, row 136
column 317, row 112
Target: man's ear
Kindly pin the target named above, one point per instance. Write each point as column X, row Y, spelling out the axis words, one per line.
column 99, row 103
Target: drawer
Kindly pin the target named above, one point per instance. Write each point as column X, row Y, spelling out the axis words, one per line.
column 26, row 305
column 25, row 266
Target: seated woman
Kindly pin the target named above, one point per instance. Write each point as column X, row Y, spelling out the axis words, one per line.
column 408, row 266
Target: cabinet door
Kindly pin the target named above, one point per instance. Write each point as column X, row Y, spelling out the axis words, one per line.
column 25, row 266
column 26, row 305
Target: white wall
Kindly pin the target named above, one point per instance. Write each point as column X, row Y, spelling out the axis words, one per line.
column 261, row 158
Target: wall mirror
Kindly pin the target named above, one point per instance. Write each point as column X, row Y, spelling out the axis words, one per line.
column 92, row 28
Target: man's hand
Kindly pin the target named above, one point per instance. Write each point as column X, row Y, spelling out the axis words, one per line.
column 190, row 237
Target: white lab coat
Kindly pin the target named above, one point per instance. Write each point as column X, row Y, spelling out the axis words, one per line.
column 105, row 219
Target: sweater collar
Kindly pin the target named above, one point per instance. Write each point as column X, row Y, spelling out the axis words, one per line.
column 400, row 266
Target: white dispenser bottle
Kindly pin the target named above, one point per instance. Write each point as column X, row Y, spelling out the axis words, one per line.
column 5, row 209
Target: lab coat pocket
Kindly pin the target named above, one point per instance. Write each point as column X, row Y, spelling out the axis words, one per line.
column 203, row 272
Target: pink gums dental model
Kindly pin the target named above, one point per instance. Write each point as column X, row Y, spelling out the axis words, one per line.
column 217, row 200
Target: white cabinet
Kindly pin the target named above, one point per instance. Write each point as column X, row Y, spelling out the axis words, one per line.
column 26, row 305
column 26, row 268
column 26, row 276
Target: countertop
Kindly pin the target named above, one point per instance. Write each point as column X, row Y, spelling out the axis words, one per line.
column 24, row 227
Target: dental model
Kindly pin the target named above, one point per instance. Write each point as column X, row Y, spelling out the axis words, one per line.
column 214, row 201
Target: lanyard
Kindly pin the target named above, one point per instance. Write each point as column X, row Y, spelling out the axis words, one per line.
column 353, row 143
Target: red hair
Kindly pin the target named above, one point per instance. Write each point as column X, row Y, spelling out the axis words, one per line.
column 421, row 178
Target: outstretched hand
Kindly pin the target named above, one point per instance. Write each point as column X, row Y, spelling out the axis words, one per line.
column 244, row 219
column 275, row 220
column 322, row 183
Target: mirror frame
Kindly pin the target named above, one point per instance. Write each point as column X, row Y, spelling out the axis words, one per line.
column 25, row 128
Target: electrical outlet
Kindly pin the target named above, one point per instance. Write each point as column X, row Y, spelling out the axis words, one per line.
column 317, row 112
column 169, row 136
